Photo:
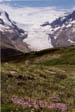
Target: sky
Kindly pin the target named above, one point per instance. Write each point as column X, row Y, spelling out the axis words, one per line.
column 40, row 3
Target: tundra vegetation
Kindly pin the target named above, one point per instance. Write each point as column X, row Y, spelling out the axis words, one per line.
column 41, row 81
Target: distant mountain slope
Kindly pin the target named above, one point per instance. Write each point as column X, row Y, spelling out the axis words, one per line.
column 11, row 36
column 62, row 30
column 65, row 20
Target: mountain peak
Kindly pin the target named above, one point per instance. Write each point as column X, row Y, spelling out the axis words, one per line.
column 63, row 20
column 4, row 18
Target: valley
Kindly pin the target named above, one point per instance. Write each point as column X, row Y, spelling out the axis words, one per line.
column 37, row 55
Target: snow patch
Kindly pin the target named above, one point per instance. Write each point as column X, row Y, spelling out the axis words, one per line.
column 69, row 25
column 73, row 42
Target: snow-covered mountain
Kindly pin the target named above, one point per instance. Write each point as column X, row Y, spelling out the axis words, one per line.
column 65, row 20
column 11, row 36
column 27, row 37
column 62, row 30
column 29, row 19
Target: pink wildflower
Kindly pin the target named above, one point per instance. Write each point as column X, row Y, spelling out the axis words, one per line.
column 52, row 106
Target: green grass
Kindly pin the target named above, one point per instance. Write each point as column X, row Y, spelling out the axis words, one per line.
column 39, row 75
column 16, row 108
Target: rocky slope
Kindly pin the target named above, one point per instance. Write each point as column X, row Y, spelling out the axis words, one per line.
column 11, row 36
column 62, row 30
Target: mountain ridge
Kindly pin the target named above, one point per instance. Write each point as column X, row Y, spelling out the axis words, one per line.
column 62, row 30
column 11, row 35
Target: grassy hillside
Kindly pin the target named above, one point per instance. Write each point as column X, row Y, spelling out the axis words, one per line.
column 46, row 76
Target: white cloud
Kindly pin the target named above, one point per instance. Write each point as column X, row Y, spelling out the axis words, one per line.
column 30, row 15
